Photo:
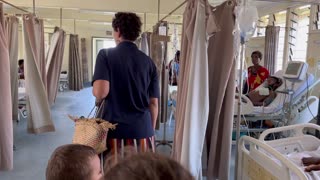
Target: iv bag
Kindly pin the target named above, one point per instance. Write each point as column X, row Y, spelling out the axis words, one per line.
column 247, row 19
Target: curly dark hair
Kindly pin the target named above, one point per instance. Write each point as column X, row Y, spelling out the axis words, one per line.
column 257, row 53
column 129, row 25
column 147, row 166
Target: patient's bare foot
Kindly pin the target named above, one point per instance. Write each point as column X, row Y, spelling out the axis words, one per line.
column 310, row 161
column 312, row 168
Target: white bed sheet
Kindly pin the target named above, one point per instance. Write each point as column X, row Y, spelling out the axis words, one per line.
column 21, row 93
column 296, row 158
column 277, row 103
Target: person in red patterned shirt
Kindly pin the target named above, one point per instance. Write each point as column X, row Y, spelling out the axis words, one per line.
column 257, row 74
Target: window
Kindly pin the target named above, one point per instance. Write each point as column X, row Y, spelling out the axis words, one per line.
column 261, row 26
column 299, row 50
column 98, row 44
column 280, row 20
column 316, row 22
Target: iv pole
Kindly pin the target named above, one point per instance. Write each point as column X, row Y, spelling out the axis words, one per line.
column 239, row 109
column 238, row 124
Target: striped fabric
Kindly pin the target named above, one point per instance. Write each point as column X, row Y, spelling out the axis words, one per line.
column 120, row 148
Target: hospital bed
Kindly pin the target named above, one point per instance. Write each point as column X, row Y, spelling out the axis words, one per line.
column 278, row 159
column 289, row 107
column 63, row 81
column 22, row 100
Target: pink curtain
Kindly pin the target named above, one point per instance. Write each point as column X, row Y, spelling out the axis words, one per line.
column 84, row 57
column 271, row 48
column 222, row 50
column 207, row 65
column 54, row 63
column 39, row 115
column 75, row 68
column 145, row 43
column 193, row 90
column 12, row 27
column 6, row 134
column 157, row 52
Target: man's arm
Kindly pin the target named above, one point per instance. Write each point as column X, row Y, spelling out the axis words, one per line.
column 153, row 106
column 101, row 80
column 100, row 90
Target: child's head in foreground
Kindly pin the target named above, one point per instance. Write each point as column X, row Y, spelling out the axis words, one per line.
column 147, row 166
column 74, row 162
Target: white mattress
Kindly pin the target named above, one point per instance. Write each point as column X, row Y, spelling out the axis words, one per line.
column 277, row 103
column 296, row 158
column 21, row 93
column 63, row 76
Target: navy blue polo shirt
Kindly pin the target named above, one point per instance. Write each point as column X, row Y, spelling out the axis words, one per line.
column 133, row 80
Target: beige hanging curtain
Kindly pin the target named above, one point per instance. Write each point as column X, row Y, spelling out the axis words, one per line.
column 54, row 63
column 75, row 68
column 145, row 43
column 271, row 47
column 222, row 50
column 157, row 51
column 84, row 57
column 12, row 27
column 6, row 135
column 39, row 115
column 193, row 90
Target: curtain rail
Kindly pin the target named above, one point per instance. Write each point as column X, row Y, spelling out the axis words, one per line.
column 170, row 13
column 290, row 1
column 5, row 2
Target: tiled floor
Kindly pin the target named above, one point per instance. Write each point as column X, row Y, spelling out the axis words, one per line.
column 33, row 151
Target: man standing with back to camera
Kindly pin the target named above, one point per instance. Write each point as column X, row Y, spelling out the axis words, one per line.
column 128, row 81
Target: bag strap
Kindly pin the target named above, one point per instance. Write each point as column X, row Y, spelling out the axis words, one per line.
column 98, row 109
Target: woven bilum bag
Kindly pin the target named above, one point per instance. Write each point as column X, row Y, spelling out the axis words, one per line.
column 92, row 132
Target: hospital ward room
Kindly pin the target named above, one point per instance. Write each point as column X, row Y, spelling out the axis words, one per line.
column 160, row 90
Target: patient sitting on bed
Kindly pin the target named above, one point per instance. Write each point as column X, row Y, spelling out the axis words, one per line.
column 263, row 96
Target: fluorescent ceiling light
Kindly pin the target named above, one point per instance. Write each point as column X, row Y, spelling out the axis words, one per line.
column 82, row 20
column 304, row 7
column 97, row 12
column 76, row 9
column 100, row 23
column 282, row 12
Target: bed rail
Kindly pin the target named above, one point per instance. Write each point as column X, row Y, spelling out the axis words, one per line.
column 264, row 167
column 297, row 129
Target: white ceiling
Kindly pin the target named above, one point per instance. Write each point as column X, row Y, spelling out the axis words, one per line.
column 97, row 14
column 140, row 6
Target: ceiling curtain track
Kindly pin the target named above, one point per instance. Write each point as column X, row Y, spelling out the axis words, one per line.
column 5, row 2
column 28, row 12
column 174, row 10
column 292, row 1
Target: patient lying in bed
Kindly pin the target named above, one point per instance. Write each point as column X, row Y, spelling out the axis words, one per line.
column 311, row 163
column 308, row 161
column 263, row 96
